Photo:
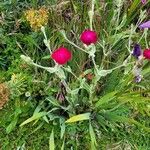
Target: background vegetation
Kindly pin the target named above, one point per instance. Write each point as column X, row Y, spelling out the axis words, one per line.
column 120, row 115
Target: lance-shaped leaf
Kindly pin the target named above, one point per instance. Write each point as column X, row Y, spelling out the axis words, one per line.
column 34, row 118
column 80, row 117
column 105, row 99
column 51, row 141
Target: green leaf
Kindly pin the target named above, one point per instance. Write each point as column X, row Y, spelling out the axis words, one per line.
column 133, row 7
column 51, row 141
column 106, row 98
column 46, row 57
column 14, row 121
column 12, row 125
column 63, row 127
column 93, row 137
column 116, row 118
column 53, row 101
column 45, row 119
column 26, row 59
column 61, row 74
column 84, row 84
column 124, row 19
column 80, row 117
column 63, row 145
column 37, row 128
column 34, row 117
column 133, row 11
column 103, row 73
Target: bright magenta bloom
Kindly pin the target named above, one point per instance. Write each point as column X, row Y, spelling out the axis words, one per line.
column 146, row 54
column 61, row 55
column 88, row 37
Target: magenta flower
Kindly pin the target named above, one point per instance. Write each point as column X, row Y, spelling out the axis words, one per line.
column 145, row 25
column 143, row 1
column 88, row 37
column 61, row 55
column 146, row 54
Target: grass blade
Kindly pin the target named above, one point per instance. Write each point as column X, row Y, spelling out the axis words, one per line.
column 33, row 118
column 51, row 141
column 93, row 137
column 62, row 132
column 116, row 118
column 80, row 117
column 105, row 99
column 133, row 7
column 63, row 145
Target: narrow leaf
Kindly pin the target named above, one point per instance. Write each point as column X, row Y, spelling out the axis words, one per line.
column 63, row 127
column 133, row 7
column 12, row 125
column 79, row 117
column 34, row 117
column 92, row 135
column 46, row 57
column 51, row 141
column 116, row 118
column 63, row 145
column 106, row 98
column 103, row 73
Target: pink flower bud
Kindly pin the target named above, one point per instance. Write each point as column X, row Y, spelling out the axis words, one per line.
column 88, row 37
column 146, row 54
column 144, row 1
column 61, row 55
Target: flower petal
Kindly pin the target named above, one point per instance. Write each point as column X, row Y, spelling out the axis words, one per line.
column 145, row 25
column 138, row 78
column 143, row 1
column 137, row 50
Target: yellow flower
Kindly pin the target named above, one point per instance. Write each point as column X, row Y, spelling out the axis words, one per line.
column 37, row 18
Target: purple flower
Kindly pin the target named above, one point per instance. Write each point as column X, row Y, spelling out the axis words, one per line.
column 145, row 25
column 138, row 78
column 143, row 1
column 137, row 50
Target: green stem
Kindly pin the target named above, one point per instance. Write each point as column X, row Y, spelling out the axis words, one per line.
column 91, row 14
column 94, row 64
column 46, row 40
column 42, row 67
column 75, row 45
column 145, row 31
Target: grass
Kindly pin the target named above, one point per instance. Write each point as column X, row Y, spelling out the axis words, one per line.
column 109, row 111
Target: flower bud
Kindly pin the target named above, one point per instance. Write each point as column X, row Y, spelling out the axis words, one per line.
column 88, row 37
column 146, row 54
column 61, row 55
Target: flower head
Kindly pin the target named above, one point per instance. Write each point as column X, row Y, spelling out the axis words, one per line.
column 146, row 54
column 37, row 18
column 61, row 55
column 144, row 1
column 88, row 37
column 137, row 50
column 145, row 25
column 138, row 78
